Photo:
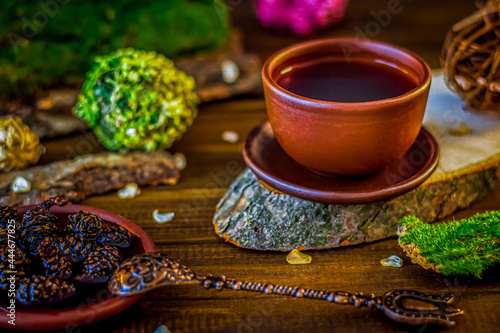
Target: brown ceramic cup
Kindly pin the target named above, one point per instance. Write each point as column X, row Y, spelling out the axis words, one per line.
column 346, row 139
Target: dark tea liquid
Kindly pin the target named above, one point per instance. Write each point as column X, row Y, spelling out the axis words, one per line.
column 337, row 81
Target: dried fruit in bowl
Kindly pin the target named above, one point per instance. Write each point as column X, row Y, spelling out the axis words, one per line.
column 12, row 260
column 42, row 290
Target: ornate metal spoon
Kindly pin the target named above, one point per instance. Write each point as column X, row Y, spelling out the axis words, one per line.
column 148, row 271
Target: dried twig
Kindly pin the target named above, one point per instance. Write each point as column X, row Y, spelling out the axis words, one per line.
column 471, row 58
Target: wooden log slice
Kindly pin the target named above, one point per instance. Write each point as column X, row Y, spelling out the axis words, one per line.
column 251, row 216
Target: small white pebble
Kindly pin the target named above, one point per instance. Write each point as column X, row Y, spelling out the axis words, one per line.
column 131, row 131
column 392, row 261
column 163, row 218
column 230, row 71
column 20, row 185
column 230, row 136
column 180, row 161
column 130, row 191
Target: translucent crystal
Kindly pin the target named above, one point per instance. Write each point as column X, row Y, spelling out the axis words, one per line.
column 129, row 192
column 230, row 71
column 162, row 329
column 462, row 130
column 296, row 257
column 230, row 136
column 20, row 185
column 180, row 161
column 163, row 218
column 392, row 261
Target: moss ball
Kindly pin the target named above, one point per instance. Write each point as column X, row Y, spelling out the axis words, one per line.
column 137, row 100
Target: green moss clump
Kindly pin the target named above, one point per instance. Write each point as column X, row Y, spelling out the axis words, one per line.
column 52, row 42
column 137, row 100
column 467, row 246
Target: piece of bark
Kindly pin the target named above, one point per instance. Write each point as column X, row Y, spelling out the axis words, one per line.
column 88, row 175
column 51, row 114
column 57, row 121
column 253, row 217
column 207, row 71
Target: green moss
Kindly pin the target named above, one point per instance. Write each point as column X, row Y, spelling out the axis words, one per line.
column 137, row 100
column 467, row 246
column 320, row 242
column 48, row 42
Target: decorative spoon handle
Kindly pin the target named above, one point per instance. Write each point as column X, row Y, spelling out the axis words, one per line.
column 148, row 271
column 339, row 297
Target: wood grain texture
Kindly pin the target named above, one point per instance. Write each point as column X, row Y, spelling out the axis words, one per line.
column 212, row 166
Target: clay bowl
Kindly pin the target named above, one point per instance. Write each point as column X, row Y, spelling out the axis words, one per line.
column 92, row 302
column 346, row 139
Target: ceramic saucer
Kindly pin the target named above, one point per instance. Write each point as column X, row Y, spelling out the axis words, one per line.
column 265, row 157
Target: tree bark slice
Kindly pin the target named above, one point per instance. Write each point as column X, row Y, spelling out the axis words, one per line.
column 89, row 175
column 253, row 217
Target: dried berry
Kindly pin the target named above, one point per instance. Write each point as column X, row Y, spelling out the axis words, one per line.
column 58, row 266
column 38, row 218
column 100, row 264
column 4, row 236
column 20, row 265
column 112, row 254
column 39, row 225
column 75, row 248
column 34, row 236
column 42, row 290
column 96, row 269
column 8, row 214
column 68, row 230
column 115, row 235
column 41, row 214
column 54, row 261
column 86, row 225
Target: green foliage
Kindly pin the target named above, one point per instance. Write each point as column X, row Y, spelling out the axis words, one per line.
column 467, row 246
column 137, row 100
column 52, row 42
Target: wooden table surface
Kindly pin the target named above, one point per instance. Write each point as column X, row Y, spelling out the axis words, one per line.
column 213, row 164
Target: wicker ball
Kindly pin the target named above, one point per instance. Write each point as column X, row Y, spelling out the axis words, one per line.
column 471, row 58
column 19, row 146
